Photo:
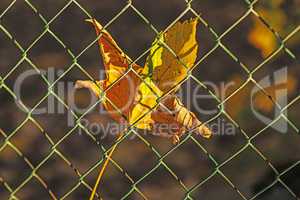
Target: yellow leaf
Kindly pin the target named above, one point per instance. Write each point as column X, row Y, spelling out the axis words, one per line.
column 162, row 66
column 146, row 101
column 136, row 99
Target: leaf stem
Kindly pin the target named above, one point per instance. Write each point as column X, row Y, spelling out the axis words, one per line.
column 103, row 169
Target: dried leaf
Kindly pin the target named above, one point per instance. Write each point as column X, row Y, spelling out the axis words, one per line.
column 135, row 101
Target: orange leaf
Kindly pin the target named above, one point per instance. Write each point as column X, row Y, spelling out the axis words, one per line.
column 132, row 94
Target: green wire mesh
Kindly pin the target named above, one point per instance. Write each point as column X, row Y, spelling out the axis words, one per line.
column 134, row 184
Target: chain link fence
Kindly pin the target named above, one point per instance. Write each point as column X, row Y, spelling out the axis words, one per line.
column 29, row 163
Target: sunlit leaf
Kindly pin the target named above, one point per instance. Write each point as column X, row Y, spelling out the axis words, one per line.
column 133, row 94
column 172, row 55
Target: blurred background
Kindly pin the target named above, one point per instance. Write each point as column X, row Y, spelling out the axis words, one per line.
column 265, row 40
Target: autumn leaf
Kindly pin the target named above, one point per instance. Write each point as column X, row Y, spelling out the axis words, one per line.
column 135, row 101
column 262, row 99
column 264, row 103
column 134, row 95
column 261, row 36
